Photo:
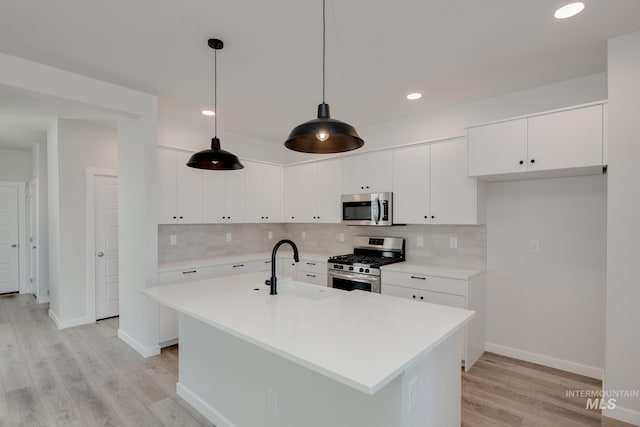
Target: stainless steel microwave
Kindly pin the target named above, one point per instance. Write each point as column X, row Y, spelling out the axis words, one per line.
column 367, row 209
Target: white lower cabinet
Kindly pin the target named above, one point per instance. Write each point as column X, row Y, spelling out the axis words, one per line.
column 468, row 294
column 311, row 271
column 167, row 317
column 236, row 268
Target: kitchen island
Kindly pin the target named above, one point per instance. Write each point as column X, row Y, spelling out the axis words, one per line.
column 314, row 356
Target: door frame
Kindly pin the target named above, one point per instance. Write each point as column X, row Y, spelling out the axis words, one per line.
column 23, row 287
column 33, row 238
column 90, row 235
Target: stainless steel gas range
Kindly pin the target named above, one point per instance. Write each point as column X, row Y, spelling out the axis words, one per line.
column 361, row 269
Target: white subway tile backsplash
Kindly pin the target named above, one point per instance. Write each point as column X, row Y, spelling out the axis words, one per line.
column 204, row 241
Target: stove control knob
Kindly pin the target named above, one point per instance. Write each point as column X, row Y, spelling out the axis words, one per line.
column 366, row 270
column 361, row 270
column 341, row 267
column 350, row 268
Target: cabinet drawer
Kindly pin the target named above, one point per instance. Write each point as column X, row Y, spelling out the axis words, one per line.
column 265, row 265
column 236, row 268
column 186, row 275
column 424, row 282
column 312, row 266
column 313, row 278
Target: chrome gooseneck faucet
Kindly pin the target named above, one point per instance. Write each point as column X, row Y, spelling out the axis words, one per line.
column 273, row 282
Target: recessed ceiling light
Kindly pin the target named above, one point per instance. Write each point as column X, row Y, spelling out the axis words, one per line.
column 208, row 113
column 569, row 10
column 415, row 95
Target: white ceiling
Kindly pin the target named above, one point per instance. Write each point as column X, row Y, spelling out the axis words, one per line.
column 269, row 72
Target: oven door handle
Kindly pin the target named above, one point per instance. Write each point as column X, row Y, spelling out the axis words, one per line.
column 354, row 277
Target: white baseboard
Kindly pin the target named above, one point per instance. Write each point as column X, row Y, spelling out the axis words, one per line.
column 145, row 351
column 63, row 324
column 204, row 408
column 551, row 362
column 623, row 414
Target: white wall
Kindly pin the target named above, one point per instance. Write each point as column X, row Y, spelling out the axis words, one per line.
column 548, row 306
column 53, row 214
column 79, row 144
column 622, row 351
column 15, row 165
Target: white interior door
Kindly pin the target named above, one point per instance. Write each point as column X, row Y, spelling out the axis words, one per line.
column 106, row 222
column 9, row 256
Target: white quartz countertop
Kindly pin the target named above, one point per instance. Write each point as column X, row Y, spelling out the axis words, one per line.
column 231, row 259
column 434, row 270
column 361, row 339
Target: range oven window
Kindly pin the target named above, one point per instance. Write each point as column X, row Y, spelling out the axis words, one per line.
column 356, row 211
column 350, row 285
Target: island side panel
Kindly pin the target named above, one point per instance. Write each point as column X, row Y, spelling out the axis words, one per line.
column 230, row 381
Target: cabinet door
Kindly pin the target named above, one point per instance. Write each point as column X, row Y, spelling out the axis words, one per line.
column 354, row 174
column 235, row 187
column 167, row 185
column 213, row 197
column 498, row 148
column 411, row 184
column 379, row 171
column 189, row 193
column 319, row 279
column 443, row 299
column 399, row 291
column 253, row 194
column 306, row 192
column 272, row 193
column 290, row 187
column 566, row 139
column 329, row 175
column 453, row 193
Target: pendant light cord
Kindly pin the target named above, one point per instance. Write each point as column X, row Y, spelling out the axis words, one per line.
column 324, row 42
column 215, row 93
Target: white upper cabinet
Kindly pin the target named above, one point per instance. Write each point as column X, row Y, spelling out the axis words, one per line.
column 498, row 148
column 430, row 185
column 312, row 192
column 559, row 143
column 367, row 173
column 567, row 139
column 180, row 188
column 223, row 196
column 455, row 197
column 411, row 184
column 264, row 194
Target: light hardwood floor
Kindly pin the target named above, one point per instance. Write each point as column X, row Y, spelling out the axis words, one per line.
column 85, row 376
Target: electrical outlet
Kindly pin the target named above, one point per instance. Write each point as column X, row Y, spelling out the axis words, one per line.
column 453, row 242
column 272, row 401
column 534, row 245
column 173, row 239
column 420, row 241
column 228, row 237
column 413, row 394
column 341, row 237
column 304, row 235
column 270, row 235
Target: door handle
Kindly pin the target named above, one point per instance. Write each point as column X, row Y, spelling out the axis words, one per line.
column 100, row 254
column 14, row 245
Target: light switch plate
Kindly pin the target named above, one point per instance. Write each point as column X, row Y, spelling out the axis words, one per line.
column 341, row 237
column 270, row 235
column 420, row 241
column 453, row 242
column 304, row 235
column 228, row 237
column 173, row 239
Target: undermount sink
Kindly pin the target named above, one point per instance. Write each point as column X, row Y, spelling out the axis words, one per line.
column 288, row 286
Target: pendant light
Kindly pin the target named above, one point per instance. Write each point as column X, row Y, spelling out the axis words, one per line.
column 215, row 158
column 324, row 134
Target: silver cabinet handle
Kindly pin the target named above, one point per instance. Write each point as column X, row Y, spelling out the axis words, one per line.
column 100, row 254
column 14, row 245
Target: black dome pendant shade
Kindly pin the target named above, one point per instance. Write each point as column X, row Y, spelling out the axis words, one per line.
column 215, row 158
column 324, row 134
